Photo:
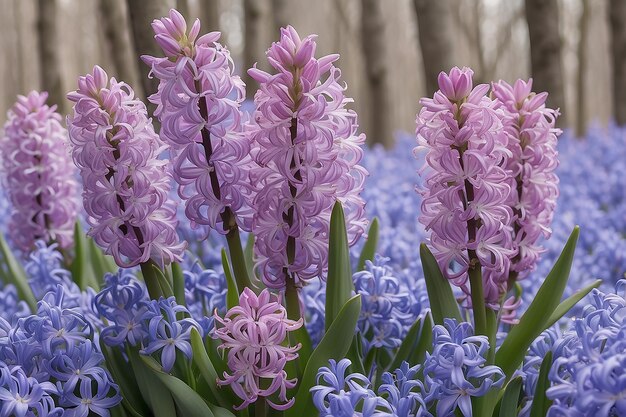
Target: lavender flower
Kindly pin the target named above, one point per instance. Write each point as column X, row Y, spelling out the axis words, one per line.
column 338, row 394
column 38, row 174
column 307, row 151
column 466, row 187
column 198, row 106
column 533, row 140
column 386, row 305
column 125, row 184
column 457, row 369
column 253, row 334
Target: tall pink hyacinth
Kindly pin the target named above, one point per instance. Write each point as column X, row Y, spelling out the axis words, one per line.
column 253, row 335
column 466, row 186
column 198, row 106
column 532, row 140
column 307, row 150
column 38, row 173
column 125, row 184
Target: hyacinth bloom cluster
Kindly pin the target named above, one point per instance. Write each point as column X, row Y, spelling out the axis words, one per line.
column 307, row 151
column 125, row 184
column 456, row 369
column 532, row 140
column 588, row 374
column 50, row 365
column 386, row 305
column 466, row 187
column 198, row 102
column 154, row 326
column 253, row 334
column 401, row 393
column 38, row 174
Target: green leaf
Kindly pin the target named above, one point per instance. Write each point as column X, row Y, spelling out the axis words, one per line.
column 541, row 403
column 187, row 400
column 442, row 302
column 339, row 285
column 132, row 400
column 100, row 263
column 408, row 345
column 570, row 302
column 16, row 275
column 82, row 273
column 178, row 280
column 248, row 254
column 512, row 351
column 164, row 281
column 334, row 345
column 510, row 400
column 232, row 294
column 369, row 249
column 207, row 370
column 153, row 391
column 220, row 412
column 425, row 341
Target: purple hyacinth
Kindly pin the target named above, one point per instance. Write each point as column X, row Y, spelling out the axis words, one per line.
column 532, row 140
column 198, row 102
column 456, row 369
column 125, row 184
column 307, row 150
column 466, row 187
column 38, row 173
column 253, row 334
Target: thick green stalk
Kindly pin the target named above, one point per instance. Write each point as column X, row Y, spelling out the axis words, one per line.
column 478, row 300
column 238, row 259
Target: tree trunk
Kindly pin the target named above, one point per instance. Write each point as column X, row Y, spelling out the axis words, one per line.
column 142, row 13
column 542, row 17
column 435, row 31
column 373, row 45
column 210, row 15
column 581, row 99
column 114, row 15
column 280, row 13
column 49, row 59
column 256, row 15
column 617, row 17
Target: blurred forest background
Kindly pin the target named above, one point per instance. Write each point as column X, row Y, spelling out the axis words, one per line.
column 391, row 50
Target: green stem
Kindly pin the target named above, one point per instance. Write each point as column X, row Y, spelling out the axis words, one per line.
column 151, row 280
column 492, row 329
column 260, row 408
column 478, row 299
column 292, row 300
column 238, row 259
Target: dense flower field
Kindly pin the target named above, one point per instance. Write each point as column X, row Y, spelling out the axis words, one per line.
column 267, row 262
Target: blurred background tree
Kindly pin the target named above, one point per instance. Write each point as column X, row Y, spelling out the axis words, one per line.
column 391, row 50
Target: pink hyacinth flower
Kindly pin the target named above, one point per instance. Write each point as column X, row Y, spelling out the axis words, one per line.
column 125, row 183
column 198, row 102
column 253, row 335
column 307, row 149
column 466, row 187
column 533, row 141
column 38, row 173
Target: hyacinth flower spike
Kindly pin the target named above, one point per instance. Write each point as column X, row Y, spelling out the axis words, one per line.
column 307, row 153
column 254, row 335
column 125, row 183
column 466, row 187
column 38, row 173
column 198, row 103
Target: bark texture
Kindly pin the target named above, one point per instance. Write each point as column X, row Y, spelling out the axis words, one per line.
column 49, row 59
column 114, row 14
column 542, row 17
column 435, row 29
column 617, row 18
column 142, row 13
column 374, row 52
